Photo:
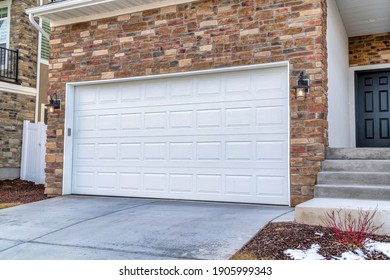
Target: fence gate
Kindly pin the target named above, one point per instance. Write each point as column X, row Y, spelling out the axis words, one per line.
column 33, row 152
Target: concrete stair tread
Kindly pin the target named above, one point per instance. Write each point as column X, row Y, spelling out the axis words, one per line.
column 358, row 153
column 355, row 172
column 346, row 203
column 354, row 186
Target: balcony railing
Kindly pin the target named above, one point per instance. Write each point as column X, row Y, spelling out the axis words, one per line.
column 9, row 65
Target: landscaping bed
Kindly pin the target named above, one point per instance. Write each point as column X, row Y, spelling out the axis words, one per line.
column 276, row 240
column 17, row 192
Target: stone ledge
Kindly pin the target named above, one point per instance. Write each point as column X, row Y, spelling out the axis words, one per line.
column 311, row 212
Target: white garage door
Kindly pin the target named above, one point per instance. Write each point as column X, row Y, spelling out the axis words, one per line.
column 216, row 137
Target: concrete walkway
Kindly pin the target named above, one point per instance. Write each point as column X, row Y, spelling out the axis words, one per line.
column 128, row 228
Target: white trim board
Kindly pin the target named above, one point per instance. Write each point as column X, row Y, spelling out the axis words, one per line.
column 352, row 90
column 70, row 100
column 46, row 10
column 8, row 87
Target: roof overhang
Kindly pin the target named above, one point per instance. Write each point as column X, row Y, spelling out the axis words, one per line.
column 365, row 17
column 73, row 11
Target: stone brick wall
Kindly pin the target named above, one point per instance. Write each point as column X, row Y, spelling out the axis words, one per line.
column 203, row 35
column 24, row 37
column 14, row 109
column 369, row 49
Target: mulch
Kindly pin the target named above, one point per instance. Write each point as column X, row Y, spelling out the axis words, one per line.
column 20, row 192
column 275, row 238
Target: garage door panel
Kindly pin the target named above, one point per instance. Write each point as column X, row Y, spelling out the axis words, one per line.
column 220, row 185
column 219, row 137
column 242, row 85
column 270, row 117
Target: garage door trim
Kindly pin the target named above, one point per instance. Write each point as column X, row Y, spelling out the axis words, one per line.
column 69, row 111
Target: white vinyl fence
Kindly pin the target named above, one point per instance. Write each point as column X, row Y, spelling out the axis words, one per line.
column 33, row 152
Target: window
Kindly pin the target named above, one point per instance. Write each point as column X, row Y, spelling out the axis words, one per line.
column 4, row 23
column 45, row 45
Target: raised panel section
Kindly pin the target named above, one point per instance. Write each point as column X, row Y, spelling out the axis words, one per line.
column 108, row 95
column 85, row 179
column 181, row 151
column 181, row 183
column 107, row 122
column 107, row 151
column 209, row 150
column 269, row 115
column 239, row 150
column 270, row 186
column 368, row 82
column 181, row 119
column 238, row 117
column 86, row 123
column 106, row 180
column 131, row 121
column 369, row 128
column 85, row 151
column 368, row 101
column 130, row 181
column 155, row 151
column 209, row 184
column 238, row 84
column 239, row 185
column 270, row 151
column 181, row 88
column 383, row 81
column 156, row 120
column 131, row 151
column 384, row 128
column 383, row 100
column 155, row 182
column 155, row 90
column 132, row 92
column 208, row 86
column 209, row 118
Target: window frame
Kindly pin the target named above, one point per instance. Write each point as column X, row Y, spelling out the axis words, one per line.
column 7, row 4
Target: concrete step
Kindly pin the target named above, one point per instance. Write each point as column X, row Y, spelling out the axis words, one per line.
column 353, row 178
column 352, row 192
column 358, row 153
column 356, row 165
column 313, row 211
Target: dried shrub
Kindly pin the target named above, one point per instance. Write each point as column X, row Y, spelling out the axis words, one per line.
column 350, row 230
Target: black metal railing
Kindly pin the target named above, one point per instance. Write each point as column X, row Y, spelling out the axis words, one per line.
column 9, row 65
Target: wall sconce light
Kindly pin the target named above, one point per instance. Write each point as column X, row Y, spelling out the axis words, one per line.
column 302, row 87
column 54, row 103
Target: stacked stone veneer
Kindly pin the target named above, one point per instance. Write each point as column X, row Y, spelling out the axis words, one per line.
column 196, row 36
column 15, row 108
column 369, row 49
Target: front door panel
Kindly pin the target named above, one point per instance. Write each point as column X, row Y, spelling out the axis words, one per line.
column 373, row 114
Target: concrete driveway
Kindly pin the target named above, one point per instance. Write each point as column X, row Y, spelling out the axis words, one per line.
column 78, row 227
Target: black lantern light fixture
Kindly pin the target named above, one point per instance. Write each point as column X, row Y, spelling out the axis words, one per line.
column 54, row 103
column 302, row 87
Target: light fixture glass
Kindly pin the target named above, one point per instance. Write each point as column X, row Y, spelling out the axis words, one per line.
column 302, row 87
column 54, row 103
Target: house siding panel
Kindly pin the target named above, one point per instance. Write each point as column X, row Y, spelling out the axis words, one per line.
column 197, row 36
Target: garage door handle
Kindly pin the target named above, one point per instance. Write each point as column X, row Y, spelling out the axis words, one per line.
column 69, row 132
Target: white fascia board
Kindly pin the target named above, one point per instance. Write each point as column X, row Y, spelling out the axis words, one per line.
column 63, row 6
column 48, row 12
column 8, row 87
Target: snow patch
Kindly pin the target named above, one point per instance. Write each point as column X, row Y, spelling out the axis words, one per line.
column 309, row 254
column 356, row 255
column 319, row 233
column 379, row 247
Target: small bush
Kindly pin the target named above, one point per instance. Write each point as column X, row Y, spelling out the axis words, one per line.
column 349, row 230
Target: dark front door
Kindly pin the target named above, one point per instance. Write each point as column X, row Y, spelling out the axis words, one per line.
column 373, row 114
